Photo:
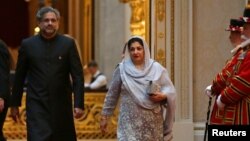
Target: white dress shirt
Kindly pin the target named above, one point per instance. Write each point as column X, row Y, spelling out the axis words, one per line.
column 100, row 81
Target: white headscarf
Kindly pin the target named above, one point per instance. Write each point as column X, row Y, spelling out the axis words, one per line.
column 137, row 81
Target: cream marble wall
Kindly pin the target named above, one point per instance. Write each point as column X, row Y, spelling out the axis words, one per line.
column 211, row 46
column 211, row 49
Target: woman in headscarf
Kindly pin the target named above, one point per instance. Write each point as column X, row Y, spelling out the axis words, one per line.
column 147, row 94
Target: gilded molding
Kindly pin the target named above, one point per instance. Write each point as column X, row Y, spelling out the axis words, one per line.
column 139, row 14
column 161, row 35
column 172, row 40
column 161, row 13
column 160, row 31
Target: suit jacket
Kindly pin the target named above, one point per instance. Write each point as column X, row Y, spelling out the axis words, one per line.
column 47, row 66
column 4, row 71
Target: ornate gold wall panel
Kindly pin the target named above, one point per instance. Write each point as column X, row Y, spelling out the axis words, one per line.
column 139, row 21
column 163, row 33
column 87, row 127
column 160, row 31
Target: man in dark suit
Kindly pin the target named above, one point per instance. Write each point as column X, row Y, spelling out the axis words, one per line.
column 4, row 85
column 47, row 61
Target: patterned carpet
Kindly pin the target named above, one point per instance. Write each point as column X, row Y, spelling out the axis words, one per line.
column 77, row 140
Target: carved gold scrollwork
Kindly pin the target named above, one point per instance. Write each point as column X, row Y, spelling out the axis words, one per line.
column 161, row 9
column 161, row 56
column 137, row 20
column 160, row 31
column 87, row 127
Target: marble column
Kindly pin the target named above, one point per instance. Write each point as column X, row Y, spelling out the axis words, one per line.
column 110, row 33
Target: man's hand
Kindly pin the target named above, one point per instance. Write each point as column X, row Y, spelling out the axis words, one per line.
column 14, row 113
column 1, row 104
column 78, row 112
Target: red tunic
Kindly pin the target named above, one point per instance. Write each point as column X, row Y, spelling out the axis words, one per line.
column 233, row 83
column 220, row 81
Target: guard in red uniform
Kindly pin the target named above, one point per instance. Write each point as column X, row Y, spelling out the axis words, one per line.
column 232, row 86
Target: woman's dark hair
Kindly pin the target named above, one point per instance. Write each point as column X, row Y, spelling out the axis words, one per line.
column 135, row 40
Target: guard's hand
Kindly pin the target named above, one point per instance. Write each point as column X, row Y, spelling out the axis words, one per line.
column 1, row 104
column 14, row 113
column 78, row 112
column 221, row 105
column 208, row 91
column 104, row 124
